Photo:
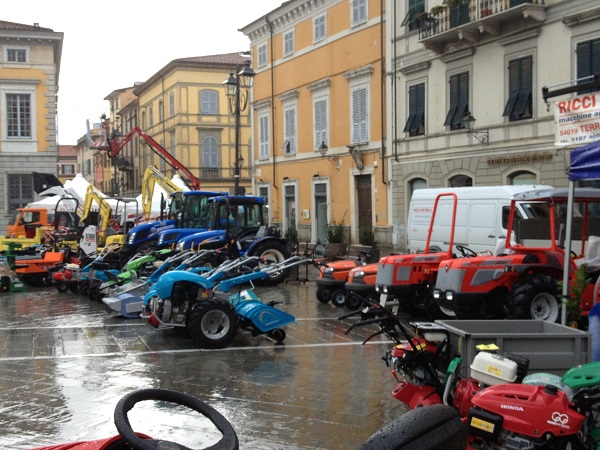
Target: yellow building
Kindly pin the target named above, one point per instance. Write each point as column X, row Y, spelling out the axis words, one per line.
column 319, row 115
column 30, row 58
column 184, row 108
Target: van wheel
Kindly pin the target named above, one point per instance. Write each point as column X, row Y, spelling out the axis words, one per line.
column 535, row 299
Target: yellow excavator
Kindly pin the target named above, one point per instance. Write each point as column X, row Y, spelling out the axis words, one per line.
column 153, row 177
column 109, row 228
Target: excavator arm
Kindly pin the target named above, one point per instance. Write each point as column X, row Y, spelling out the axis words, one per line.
column 153, row 176
column 105, row 211
column 114, row 146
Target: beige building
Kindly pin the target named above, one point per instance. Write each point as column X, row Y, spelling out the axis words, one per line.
column 488, row 59
column 30, row 57
column 319, row 117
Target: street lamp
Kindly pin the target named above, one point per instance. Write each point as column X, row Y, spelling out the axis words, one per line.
column 469, row 123
column 237, row 89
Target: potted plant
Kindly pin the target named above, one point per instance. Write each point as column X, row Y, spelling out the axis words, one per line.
column 291, row 234
column 366, row 237
column 335, row 239
column 437, row 10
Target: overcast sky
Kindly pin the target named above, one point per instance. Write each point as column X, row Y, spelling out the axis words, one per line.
column 112, row 44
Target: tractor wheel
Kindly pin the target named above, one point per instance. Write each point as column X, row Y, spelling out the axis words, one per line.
column 62, row 287
column 213, row 323
column 75, row 288
column 415, row 304
column 437, row 312
column 323, row 294
column 278, row 335
column 535, row 299
column 353, row 301
column 339, row 296
column 272, row 252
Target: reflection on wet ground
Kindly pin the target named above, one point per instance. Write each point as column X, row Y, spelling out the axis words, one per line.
column 65, row 363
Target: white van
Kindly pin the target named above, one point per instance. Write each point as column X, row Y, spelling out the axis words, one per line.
column 481, row 219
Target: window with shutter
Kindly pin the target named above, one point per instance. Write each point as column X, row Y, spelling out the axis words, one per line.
column 415, row 124
column 459, row 101
column 359, row 116
column 263, row 136
column 588, row 61
column 290, row 130
column 208, row 102
column 519, row 104
column 321, row 123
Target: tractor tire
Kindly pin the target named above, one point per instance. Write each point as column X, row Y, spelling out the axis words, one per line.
column 437, row 312
column 354, row 301
column 213, row 323
column 535, row 299
column 428, row 428
column 62, row 287
column 323, row 295
column 338, row 298
column 75, row 288
column 272, row 252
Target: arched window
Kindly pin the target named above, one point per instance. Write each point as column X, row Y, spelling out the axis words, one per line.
column 523, row 177
column 417, row 183
column 460, row 181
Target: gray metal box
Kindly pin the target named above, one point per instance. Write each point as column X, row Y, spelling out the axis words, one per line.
column 550, row 347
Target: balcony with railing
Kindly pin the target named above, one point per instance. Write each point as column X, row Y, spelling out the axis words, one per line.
column 471, row 21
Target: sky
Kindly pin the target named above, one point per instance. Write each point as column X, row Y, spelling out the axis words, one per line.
column 111, row 44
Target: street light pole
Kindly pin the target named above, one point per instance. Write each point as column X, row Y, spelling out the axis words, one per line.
column 237, row 90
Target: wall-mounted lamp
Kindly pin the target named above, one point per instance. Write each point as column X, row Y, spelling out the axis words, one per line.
column 469, row 123
column 323, row 151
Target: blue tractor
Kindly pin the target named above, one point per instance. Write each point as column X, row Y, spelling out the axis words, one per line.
column 238, row 222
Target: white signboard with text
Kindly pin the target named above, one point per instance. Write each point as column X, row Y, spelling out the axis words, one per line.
column 577, row 120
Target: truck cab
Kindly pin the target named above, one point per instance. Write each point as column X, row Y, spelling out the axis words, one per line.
column 25, row 221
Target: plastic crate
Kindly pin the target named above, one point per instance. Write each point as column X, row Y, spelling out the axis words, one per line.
column 550, row 347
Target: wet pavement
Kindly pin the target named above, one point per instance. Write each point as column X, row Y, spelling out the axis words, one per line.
column 65, row 363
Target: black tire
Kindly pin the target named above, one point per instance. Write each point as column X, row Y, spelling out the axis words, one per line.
column 428, row 428
column 278, row 335
column 62, row 287
column 213, row 323
column 354, row 301
column 323, row 294
column 75, row 288
column 339, row 296
column 535, row 299
column 272, row 252
column 438, row 313
column 415, row 304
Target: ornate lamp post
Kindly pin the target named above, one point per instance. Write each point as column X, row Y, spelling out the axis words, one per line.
column 237, row 90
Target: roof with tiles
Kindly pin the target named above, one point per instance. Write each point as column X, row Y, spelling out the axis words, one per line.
column 4, row 25
column 227, row 58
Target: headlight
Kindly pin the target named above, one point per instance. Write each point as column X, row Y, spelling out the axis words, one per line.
column 328, row 270
column 377, row 288
column 180, row 246
column 131, row 238
column 385, row 290
column 161, row 239
column 359, row 273
column 436, row 294
column 449, row 296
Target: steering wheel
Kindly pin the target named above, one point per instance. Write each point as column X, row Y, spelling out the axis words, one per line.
column 229, row 441
column 465, row 251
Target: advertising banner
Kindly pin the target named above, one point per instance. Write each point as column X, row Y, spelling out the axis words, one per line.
column 577, row 120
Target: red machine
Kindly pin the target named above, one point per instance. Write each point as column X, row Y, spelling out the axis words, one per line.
column 523, row 282
column 114, row 145
column 409, row 279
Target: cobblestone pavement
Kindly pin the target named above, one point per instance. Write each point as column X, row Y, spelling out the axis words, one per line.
column 65, row 363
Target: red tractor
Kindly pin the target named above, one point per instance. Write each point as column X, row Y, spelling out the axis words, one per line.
column 523, row 282
column 409, row 279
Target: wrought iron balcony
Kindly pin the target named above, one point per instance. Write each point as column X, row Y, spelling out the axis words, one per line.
column 475, row 20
